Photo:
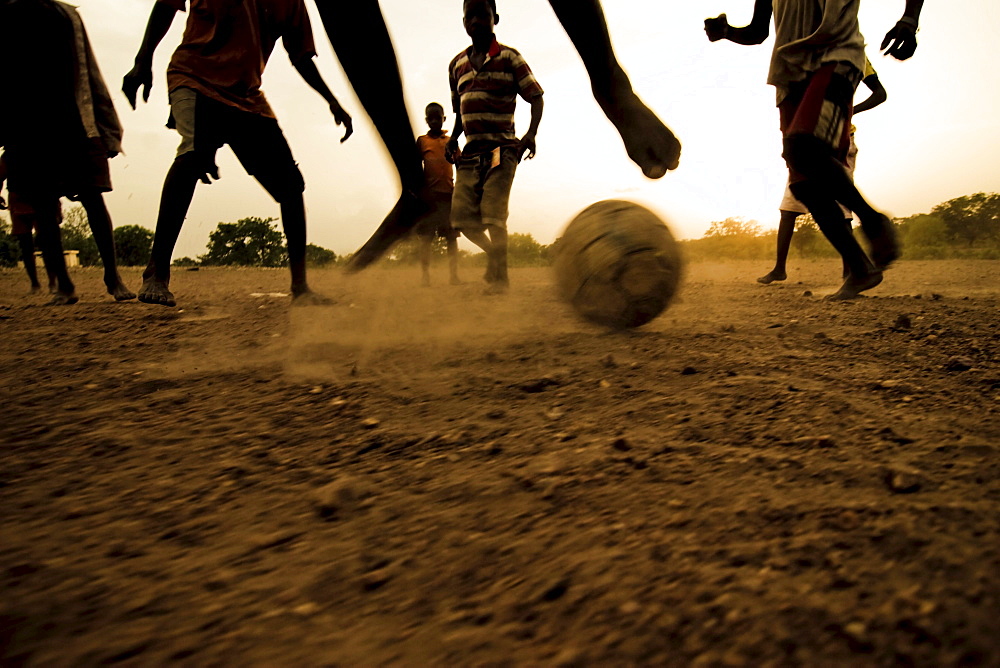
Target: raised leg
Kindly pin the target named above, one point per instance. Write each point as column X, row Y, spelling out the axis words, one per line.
column 359, row 37
column 648, row 142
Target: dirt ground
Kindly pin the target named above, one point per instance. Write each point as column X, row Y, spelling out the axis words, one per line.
column 435, row 477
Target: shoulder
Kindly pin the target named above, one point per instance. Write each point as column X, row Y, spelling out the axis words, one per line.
column 461, row 58
column 509, row 52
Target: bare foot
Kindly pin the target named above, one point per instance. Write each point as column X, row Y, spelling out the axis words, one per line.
column 882, row 236
column 117, row 289
column 394, row 228
column 853, row 287
column 154, row 291
column 307, row 297
column 649, row 142
column 35, row 289
column 60, row 298
column 772, row 276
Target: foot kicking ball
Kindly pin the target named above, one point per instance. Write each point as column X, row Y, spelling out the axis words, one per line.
column 617, row 264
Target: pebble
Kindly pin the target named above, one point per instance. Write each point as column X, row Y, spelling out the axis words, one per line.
column 902, row 322
column 807, row 293
column 376, row 579
column 370, row 423
column 621, row 444
column 609, row 361
column 824, row 441
column 902, row 480
column 688, row 370
column 958, row 363
column 316, row 389
column 338, row 498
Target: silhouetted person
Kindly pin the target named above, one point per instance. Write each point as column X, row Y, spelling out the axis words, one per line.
column 59, row 130
column 359, row 37
column 791, row 208
column 214, row 82
column 436, row 194
column 23, row 220
column 816, row 66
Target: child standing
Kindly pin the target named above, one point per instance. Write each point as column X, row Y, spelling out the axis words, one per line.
column 439, row 185
column 214, row 78
column 60, row 132
column 817, row 63
column 485, row 81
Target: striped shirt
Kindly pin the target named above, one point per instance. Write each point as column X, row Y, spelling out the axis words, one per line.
column 486, row 97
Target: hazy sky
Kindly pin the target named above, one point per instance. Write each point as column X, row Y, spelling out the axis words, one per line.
column 936, row 138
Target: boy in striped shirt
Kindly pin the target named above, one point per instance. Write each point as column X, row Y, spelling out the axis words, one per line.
column 485, row 80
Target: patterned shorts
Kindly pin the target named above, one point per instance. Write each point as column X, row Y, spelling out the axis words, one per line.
column 820, row 106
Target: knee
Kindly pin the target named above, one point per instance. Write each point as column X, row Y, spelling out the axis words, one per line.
column 286, row 187
column 806, row 192
column 194, row 164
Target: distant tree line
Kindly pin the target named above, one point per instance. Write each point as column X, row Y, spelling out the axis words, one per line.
column 964, row 227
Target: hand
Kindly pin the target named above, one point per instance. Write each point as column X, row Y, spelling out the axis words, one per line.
column 140, row 75
column 342, row 118
column 451, row 151
column 717, row 28
column 527, row 143
column 210, row 173
column 3, row 204
column 901, row 41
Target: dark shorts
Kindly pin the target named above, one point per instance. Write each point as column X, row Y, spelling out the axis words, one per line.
column 205, row 125
column 437, row 220
column 26, row 213
column 76, row 168
column 820, row 106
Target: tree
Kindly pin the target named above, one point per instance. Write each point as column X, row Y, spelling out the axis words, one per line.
column 76, row 235
column 317, row 256
column 924, row 230
column 133, row 244
column 734, row 227
column 249, row 242
column 972, row 219
column 185, row 262
column 524, row 251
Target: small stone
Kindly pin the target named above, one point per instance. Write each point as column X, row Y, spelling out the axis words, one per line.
column 496, row 414
column 903, row 322
column 91, row 386
column 376, row 579
column 316, row 389
column 338, row 402
column 603, row 384
column 958, row 363
column 608, row 361
column 306, row 609
column 821, row 336
column 338, row 498
column 901, row 480
column 621, row 444
column 824, row 441
column 370, row 423
column 555, row 413
column 807, row 293
column 492, row 448
column 629, row 608
column 688, row 371
column 728, row 329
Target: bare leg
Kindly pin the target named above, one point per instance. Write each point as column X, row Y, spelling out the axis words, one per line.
column 52, row 253
column 425, row 259
column 358, row 34
column 814, row 159
column 175, row 199
column 498, row 261
column 103, row 231
column 786, row 227
column 28, row 259
column 293, row 220
column 649, row 143
column 863, row 275
column 453, row 260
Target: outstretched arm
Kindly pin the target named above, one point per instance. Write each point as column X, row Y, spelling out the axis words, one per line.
column 901, row 41
column 648, row 142
column 141, row 74
column 877, row 97
column 307, row 70
column 755, row 33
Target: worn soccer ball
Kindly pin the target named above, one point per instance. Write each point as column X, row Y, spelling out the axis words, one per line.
column 617, row 264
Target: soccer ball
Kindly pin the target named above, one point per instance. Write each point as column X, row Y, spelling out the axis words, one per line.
column 617, row 264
